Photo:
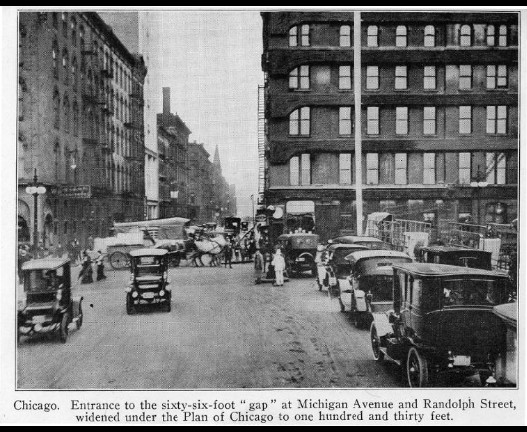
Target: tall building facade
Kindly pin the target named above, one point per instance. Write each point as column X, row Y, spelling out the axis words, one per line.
column 173, row 155
column 138, row 30
column 439, row 115
column 80, row 120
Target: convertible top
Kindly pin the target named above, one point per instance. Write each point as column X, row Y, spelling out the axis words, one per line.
column 45, row 264
column 148, row 252
column 427, row 269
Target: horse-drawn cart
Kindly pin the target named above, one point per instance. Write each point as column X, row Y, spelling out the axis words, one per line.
column 118, row 254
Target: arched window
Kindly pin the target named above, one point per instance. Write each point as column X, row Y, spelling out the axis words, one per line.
column 74, row 76
column 65, row 61
column 89, row 82
column 465, row 36
column 56, row 109
column 55, row 55
column 491, row 35
column 401, row 36
column 430, row 36
column 373, row 36
column 66, row 115
column 345, row 36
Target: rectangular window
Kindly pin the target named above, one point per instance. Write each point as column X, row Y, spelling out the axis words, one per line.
column 372, row 168
column 294, row 171
column 401, row 121
column 401, row 172
column 372, row 120
column 345, row 121
column 497, row 119
column 372, row 78
column 430, row 36
column 491, row 35
column 401, row 77
column 345, row 36
column 497, row 76
column 304, row 41
column 465, row 119
column 429, row 82
column 345, row 77
column 465, row 77
column 299, row 122
column 400, row 36
column 373, row 36
column 496, row 168
column 429, row 120
column 293, row 36
column 305, row 166
column 299, row 78
column 429, row 168
column 345, row 168
column 464, row 168
column 502, row 41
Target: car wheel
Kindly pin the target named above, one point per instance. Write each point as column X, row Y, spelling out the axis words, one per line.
column 119, row 260
column 63, row 330
column 378, row 355
column 416, row 369
column 130, row 308
column 168, row 307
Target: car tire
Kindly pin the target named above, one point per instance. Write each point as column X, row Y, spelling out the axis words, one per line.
column 63, row 329
column 80, row 318
column 378, row 355
column 416, row 369
column 130, row 308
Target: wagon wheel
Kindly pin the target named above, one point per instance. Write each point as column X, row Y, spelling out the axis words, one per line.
column 416, row 369
column 378, row 355
column 63, row 331
column 119, row 260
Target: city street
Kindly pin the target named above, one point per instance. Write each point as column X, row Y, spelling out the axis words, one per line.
column 223, row 332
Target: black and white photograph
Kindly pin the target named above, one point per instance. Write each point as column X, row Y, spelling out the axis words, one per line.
column 262, row 216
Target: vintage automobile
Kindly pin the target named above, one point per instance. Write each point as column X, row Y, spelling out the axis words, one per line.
column 148, row 280
column 299, row 251
column 48, row 305
column 506, row 373
column 371, row 281
column 336, row 267
column 442, row 322
column 369, row 242
column 453, row 255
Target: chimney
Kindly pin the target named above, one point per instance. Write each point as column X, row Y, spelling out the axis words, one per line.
column 166, row 106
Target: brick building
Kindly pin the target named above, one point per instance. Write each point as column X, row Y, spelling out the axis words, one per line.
column 80, row 126
column 439, row 115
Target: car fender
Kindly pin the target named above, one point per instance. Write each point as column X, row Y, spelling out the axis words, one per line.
column 77, row 304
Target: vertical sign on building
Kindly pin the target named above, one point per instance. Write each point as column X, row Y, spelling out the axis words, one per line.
column 357, row 89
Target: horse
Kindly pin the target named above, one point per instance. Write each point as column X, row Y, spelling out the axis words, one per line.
column 212, row 246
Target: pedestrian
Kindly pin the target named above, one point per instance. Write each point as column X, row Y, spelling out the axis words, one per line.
column 86, row 272
column 77, row 250
column 279, row 267
column 99, row 261
column 227, row 253
column 258, row 266
column 59, row 251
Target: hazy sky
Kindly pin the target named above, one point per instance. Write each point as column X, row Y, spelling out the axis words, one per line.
column 211, row 62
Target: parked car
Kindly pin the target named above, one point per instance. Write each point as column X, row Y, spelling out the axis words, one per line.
column 507, row 362
column 452, row 255
column 371, row 281
column 48, row 305
column 369, row 242
column 442, row 322
column 149, row 284
column 336, row 267
column 299, row 251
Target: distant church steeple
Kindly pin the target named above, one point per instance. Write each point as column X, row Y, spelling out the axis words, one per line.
column 216, row 161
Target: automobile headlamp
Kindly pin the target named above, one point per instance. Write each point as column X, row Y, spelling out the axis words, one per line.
column 161, row 293
column 58, row 296
column 134, row 294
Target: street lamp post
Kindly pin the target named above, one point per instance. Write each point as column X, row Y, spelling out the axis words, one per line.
column 254, row 217
column 479, row 182
column 35, row 189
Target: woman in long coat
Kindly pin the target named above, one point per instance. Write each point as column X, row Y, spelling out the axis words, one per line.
column 86, row 272
column 258, row 266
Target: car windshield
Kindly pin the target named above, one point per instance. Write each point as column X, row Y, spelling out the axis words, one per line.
column 41, row 280
column 474, row 292
column 148, row 265
column 380, row 287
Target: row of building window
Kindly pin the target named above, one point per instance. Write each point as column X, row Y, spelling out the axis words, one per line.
column 496, row 77
column 397, row 172
column 496, row 120
column 299, row 35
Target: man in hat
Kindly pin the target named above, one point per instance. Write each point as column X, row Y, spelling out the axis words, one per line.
column 279, row 267
column 258, row 266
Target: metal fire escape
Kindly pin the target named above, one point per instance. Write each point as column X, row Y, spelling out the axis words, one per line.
column 261, row 142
